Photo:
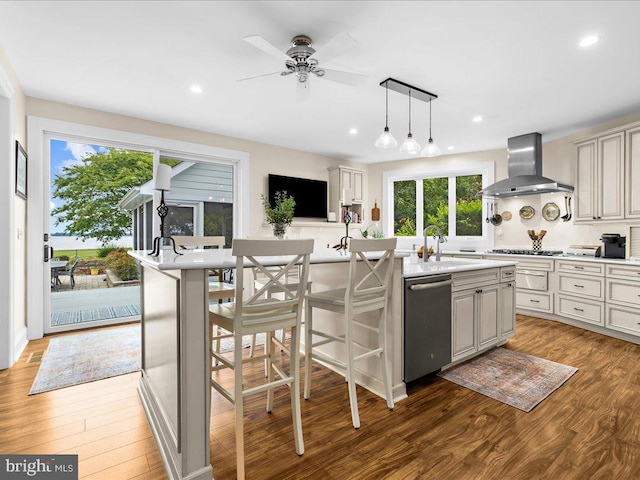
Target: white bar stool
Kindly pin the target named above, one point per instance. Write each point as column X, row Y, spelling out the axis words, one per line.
column 259, row 315
column 365, row 292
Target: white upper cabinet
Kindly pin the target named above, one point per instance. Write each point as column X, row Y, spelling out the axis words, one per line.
column 347, row 178
column 632, row 175
column 600, row 185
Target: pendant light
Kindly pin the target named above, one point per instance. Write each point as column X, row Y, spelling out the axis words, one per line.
column 386, row 140
column 431, row 150
column 410, row 146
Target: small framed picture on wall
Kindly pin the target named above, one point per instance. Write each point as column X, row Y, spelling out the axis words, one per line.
column 21, row 171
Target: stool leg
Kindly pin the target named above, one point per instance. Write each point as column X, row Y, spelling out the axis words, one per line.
column 384, row 367
column 270, row 349
column 307, row 351
column 353, row 399
column 216, row 332
column 239, row 406
column 294, row 358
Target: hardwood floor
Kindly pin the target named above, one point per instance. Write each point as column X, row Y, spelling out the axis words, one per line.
column 589, row 428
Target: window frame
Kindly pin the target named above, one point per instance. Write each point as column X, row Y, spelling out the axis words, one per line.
column 479, row 243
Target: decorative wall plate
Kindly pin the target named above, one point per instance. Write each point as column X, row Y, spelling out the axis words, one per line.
column 550, row 212
column 506, row 215
column 527, row 212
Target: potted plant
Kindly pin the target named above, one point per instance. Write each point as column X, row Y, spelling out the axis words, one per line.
column 280, row 215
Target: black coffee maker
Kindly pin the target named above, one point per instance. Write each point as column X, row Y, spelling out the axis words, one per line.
column 614, row 245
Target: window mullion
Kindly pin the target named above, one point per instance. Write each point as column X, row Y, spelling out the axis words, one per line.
column 419, row 207
column 452, row 206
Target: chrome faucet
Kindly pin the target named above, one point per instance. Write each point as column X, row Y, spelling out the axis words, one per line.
column 441, row 239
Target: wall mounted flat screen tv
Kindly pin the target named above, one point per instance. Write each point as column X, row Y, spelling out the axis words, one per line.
column 310, row 195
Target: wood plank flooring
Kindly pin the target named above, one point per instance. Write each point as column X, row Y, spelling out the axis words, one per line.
column 588, row 429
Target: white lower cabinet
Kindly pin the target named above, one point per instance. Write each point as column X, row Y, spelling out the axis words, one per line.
column 507, row 305
column 623, row 319
column 591, row 311
column 463, row 323
column 482, row 316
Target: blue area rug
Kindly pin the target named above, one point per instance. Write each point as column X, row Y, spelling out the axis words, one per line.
column 90, row 315
column 89, row 356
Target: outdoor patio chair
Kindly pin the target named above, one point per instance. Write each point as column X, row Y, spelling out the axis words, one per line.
column 68, row 271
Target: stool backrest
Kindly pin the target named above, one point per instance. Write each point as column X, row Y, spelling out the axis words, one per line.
column 183, row 241
column 255, row 311
column 373, row 285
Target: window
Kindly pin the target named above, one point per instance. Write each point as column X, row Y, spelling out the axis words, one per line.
column 447, row 198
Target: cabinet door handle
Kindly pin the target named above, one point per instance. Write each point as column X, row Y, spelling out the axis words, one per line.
column 578, row 268
column 578, row 309
column 535, row 301
column 579, row 286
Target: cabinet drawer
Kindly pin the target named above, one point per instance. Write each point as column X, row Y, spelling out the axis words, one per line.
column 532, row 280
column 507, row 274
column 623, row 291
column 476, row 278
column 584, row 310
column 581, row 267
column 623, row 319
column 623, row 271
column 530, row 264
column 534, row 300
column 581, row 285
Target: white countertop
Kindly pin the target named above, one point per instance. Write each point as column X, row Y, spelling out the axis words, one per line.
column 450, row 265
column 216, row 259
column 579, row 258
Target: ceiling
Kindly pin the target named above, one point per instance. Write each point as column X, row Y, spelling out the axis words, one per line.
column 516, row 63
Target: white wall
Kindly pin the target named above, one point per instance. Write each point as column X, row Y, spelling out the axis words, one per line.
column 264, row 158
column 558, row 163
column 12, row 225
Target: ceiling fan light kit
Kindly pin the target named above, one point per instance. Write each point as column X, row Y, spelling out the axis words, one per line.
column 410, row 145
column 302, row 60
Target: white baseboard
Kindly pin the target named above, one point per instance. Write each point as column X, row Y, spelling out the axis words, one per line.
column 20, row 342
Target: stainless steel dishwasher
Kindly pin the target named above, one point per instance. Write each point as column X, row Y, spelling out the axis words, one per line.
column 427, row 325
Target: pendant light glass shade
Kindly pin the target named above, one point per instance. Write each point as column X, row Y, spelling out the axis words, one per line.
column 386, row 140
column 431, row 149
column 410, row 146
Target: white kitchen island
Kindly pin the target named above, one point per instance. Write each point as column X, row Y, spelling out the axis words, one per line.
column 174, row 386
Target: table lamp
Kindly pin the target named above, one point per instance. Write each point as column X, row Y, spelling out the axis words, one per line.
column 347, row 201
column 162, row 183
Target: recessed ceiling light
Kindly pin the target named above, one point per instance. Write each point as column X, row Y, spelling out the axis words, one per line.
column 477, row 119
column 589, row 40
column 196, row 89
column 353, row 131
column 210, row 198
column 451, row 147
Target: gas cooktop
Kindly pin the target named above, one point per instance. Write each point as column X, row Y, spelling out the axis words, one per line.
column 544, row 253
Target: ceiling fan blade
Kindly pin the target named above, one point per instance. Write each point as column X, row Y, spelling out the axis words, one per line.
column 261, row 44
column 334, row 47
column 347, row 78
column 304, row 91
column 260, row 76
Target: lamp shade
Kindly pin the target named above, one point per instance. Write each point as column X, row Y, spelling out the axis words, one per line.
column 431, row 150
column 162, row 180
column 410, row 146
column 347, row 197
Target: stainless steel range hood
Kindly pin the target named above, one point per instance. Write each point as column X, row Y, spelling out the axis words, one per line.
column 525, row 170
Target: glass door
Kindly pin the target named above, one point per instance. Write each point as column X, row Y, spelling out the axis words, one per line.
column 94, row 281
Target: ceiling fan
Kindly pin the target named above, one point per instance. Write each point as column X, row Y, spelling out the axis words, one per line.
column 302, row 60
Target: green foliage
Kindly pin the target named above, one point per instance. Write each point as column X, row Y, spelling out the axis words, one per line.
column 82, row 254
column 283, row 209
column 105, row 250
column 404, row 200
column 435, row 205
column 64, row 257
column 407, row 228
column 92, row 188
column 123, row 264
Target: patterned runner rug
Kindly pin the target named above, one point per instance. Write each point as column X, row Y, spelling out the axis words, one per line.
column 514, row 378
column 88, row 356
column 93, row 314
